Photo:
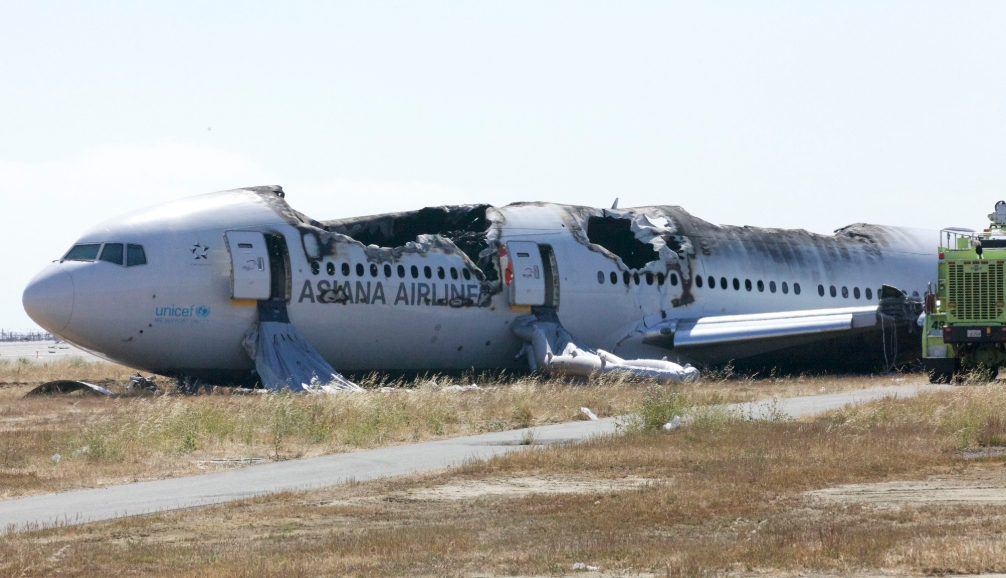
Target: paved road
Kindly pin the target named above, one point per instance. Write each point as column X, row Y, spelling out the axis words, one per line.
column 81, row 506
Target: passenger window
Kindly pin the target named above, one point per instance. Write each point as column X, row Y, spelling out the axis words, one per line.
column 832, row 291
column 747, row 284
column 345, row 269
column 454, row 273
column 674, row 279
column 635, row 277
column 387, row 271
column 613, row 277
column 401, row 271
column 626, row 277
column 600, row 277
column 855, row 292
column 330, row 268
column 869, row 293
column 723, row 282
column 88, row 252
column 661, row 278
column 373, row 269
column 845, row 292
column 785, row 288
column 415, row 272
column 761, row 286
column 698, row 281
column 359, row 269
column 737, row 284
column 315, row 268
column 712, row 283
column 649, row 278
column 428, row 272
column 820, row 290
column 441, row 273
column 467, row 274
column 771, row 286
column 796, row 288
column 135, row 255
column 112, row 253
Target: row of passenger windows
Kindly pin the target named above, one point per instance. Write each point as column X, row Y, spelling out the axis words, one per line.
column 375, row 270
column 845, row 292
column 133, row 255
column 710, row 282
column 627, row 278
column 724, row 284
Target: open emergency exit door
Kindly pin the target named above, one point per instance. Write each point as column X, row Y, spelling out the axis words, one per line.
column 531, row 274
column 250, row 267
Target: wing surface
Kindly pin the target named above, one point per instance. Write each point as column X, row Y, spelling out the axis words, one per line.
column 775, row 327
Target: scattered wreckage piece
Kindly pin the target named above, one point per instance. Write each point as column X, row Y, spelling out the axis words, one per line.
column 550, row 348
column 141, row 385
column 285, row 360
column 69, row 386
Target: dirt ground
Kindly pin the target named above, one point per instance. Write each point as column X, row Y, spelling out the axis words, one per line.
column 896, row 487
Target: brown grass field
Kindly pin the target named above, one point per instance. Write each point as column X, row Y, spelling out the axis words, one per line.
column 722, row 495
column 104, row 441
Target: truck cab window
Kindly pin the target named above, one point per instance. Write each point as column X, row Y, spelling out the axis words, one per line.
column 88, row 252
column 112, row 253
column 135, row 255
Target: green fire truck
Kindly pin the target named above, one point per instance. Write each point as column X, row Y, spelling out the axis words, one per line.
column 965, row 325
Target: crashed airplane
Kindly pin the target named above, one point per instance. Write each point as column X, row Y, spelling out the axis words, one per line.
column 237, row 287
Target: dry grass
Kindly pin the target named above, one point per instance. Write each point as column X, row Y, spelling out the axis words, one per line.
column 15, row 374
column 725, row 494
column 104, row 441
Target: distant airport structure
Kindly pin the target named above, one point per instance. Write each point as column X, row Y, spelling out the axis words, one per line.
column 7, row 336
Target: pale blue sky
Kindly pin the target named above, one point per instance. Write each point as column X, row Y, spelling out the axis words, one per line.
column 789, row 114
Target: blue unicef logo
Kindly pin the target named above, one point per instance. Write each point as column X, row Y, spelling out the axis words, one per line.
column 202, row 311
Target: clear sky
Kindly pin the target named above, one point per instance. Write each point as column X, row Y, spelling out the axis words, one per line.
column 784, row 114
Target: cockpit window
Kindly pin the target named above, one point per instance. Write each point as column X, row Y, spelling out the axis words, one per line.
column 135, row 256
column 112, row 253
column 86, row 252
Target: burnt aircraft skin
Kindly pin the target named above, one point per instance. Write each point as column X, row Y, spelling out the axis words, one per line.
column 430, row 304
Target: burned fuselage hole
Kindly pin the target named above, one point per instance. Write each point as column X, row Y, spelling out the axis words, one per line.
column 616, row 236
column 466, row 226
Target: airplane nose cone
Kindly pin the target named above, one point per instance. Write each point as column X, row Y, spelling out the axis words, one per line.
column 48, row 299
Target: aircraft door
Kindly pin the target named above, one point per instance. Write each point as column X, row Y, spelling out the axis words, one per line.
column 251, row 272
column 527, row 277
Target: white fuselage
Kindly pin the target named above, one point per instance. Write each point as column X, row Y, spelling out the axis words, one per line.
column 176, row 314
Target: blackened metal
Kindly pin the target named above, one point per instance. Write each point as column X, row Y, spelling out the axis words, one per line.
column 615, row 235
column 464, row 225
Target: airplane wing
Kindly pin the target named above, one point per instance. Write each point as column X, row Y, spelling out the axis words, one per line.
column 759, row 333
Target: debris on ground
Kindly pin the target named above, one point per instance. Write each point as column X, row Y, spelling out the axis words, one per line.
column 673, row 424
column 584, row 567
column 69, row 386
column 549, row 347
column 471, row 387
column 140, row 385
column 586, row 411
column 236, row 460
